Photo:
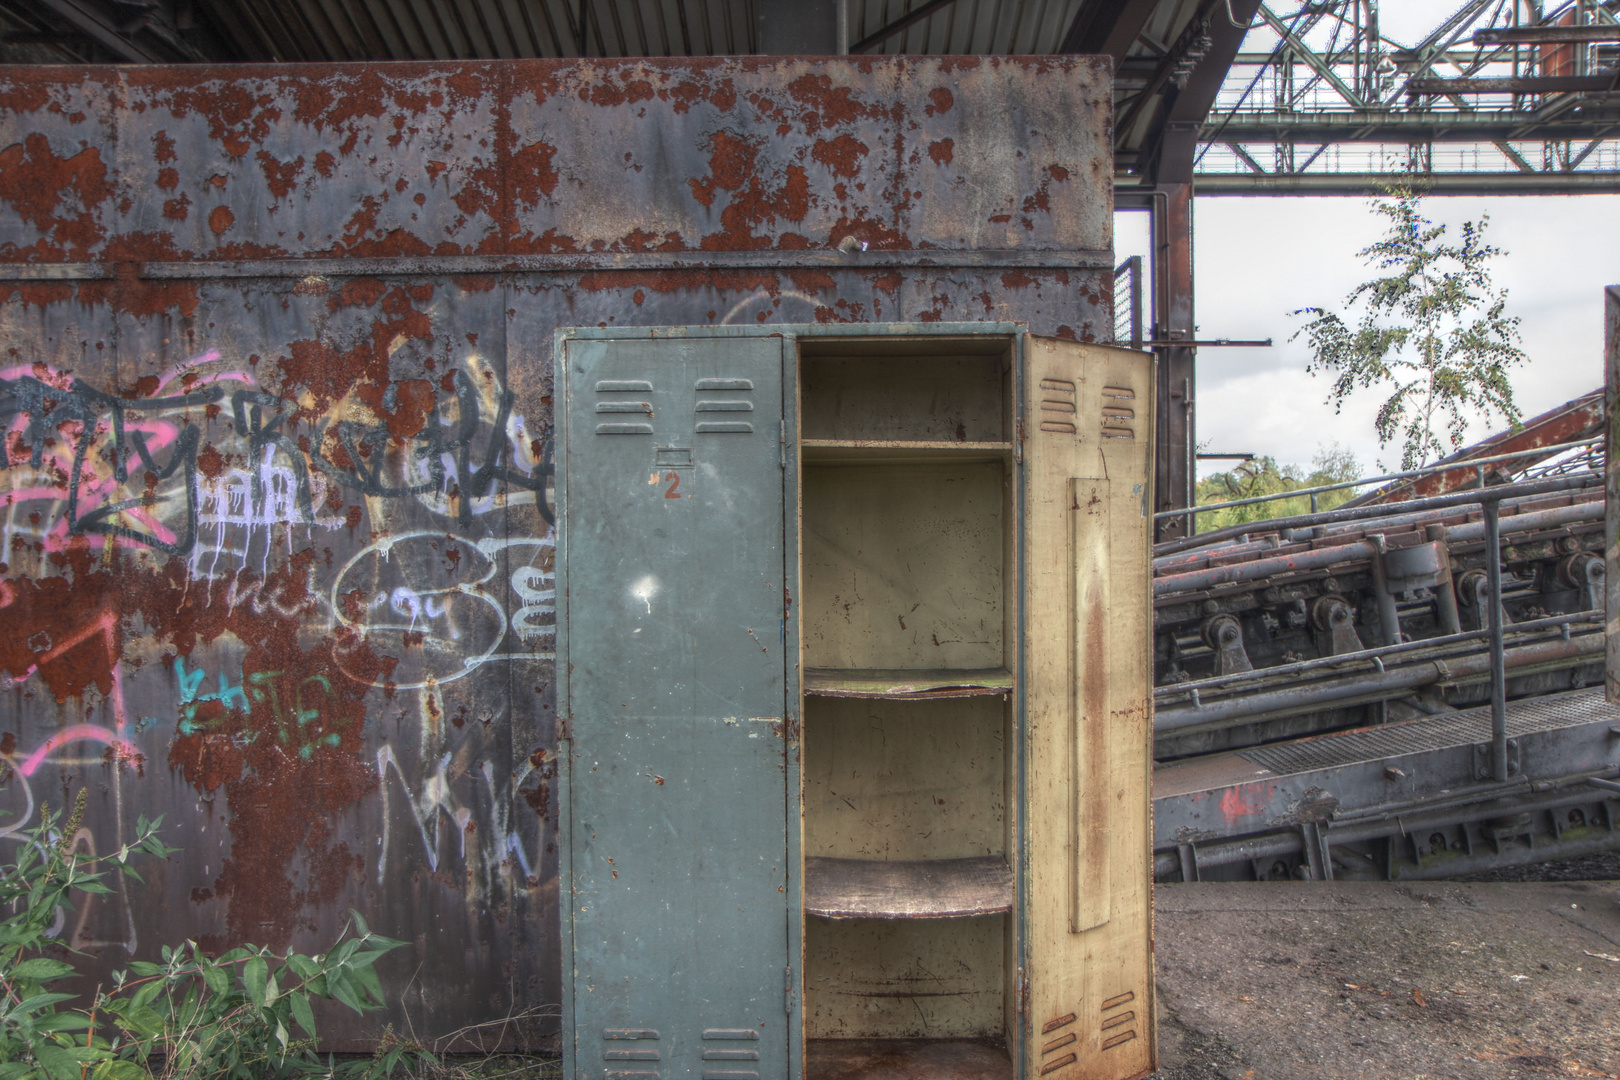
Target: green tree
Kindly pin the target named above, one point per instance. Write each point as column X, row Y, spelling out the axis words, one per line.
column 1432, row 327
column 1263, row 476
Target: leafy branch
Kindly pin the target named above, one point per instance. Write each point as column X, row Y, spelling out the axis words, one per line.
column 1432, row 329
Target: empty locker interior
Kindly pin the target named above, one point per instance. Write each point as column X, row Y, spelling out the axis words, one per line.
column 908, row 640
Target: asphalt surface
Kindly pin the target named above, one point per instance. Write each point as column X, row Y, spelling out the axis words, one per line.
column 1312, row 980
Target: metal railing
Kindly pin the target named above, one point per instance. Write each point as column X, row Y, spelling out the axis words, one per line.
column 1191, row 512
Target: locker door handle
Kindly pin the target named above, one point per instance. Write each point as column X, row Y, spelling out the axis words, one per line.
column 1090, row 772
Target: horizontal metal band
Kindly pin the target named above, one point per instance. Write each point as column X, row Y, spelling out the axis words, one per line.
column 1440, row 183
column 588, row 262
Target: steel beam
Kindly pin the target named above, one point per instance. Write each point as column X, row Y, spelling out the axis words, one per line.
column 899, row 26
column 1604, row 82
column 1363, row 184
column 1107, row 26
column 1595, row 120
column 1547, row 35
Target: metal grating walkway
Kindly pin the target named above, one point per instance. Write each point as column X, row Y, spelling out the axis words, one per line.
column 1433, row 733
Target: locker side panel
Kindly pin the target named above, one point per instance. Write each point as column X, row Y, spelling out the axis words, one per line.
column 677, row 873
column 1088, row 696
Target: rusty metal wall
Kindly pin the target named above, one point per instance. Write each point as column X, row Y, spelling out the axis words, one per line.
column 277, row 405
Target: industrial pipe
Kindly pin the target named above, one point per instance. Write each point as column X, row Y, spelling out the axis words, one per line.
column 1493, row 570
column 1193, row 580
column 1301, row 698
column 1474, row 497
column 1535, row 521
column 1406, row 650
column 1318, row 559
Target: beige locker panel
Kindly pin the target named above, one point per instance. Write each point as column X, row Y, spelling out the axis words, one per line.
column 1087, row 451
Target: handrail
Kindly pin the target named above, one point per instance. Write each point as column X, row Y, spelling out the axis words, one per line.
column 1465, row 497
column 1192, row 512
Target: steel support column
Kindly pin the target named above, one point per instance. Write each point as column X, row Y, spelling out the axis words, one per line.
column 1175, row 475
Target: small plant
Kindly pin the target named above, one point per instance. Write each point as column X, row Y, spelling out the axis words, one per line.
column 245, row 1014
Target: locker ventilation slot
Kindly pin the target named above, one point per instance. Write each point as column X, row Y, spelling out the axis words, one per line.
column 1114, row 1029
column 620, row 406
column 906, row 683
column 707, row 407
column 926, row 889
column 1057, row 406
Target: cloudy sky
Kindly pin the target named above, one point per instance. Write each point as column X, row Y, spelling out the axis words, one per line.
column 1258, row 259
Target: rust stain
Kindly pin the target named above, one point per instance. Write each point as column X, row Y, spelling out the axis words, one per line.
column 534, row 177
column 68, row 626
column 328, row 372
column 287, row 748
column 59, row 196
column 842, row 156
column 281, row 177
column 403, row 406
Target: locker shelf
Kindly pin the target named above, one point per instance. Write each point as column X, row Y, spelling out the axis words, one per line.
column 892, row 451
column 907, row 684
column 905, row 1059
column 923, row 889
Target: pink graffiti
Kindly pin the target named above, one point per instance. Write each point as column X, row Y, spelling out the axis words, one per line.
column 76, row 733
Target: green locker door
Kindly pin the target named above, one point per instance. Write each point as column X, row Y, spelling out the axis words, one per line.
column 671, row 680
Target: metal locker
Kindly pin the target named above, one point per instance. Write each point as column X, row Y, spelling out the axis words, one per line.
column 853, row 667
column 671, row 682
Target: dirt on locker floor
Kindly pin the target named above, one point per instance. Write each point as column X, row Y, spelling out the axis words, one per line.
column 1388, row 981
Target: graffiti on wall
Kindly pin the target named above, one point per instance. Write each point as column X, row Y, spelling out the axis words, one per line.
column 281, row 605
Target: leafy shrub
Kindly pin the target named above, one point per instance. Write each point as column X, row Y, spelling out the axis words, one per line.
column 1263, row 476
column 244, row 1015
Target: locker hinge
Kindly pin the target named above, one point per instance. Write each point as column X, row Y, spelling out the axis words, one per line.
column 565, row 730
column 781, row 448
column 787, row 994
column 1018, row 440
column 1022, row 1004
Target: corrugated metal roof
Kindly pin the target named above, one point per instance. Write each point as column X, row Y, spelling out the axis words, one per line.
column 967, row 26
column 505, row 29
column 492, row 29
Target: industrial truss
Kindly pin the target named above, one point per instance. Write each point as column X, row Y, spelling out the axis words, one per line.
column 1501, row 97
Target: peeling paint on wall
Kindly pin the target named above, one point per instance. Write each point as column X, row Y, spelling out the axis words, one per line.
column 275, row 393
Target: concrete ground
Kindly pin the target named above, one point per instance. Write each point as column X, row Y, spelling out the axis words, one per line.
column 1467, row 980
